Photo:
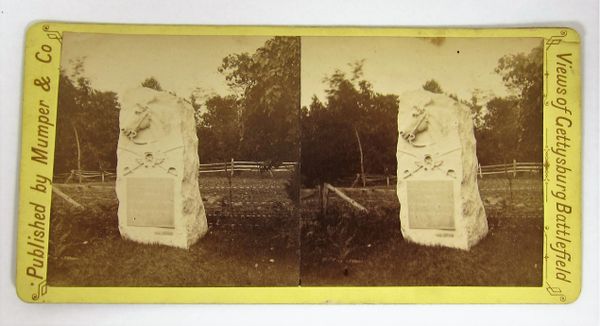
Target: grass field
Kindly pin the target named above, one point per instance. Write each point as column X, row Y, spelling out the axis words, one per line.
column 255, row 239
column 347, row 247
column 254, row 247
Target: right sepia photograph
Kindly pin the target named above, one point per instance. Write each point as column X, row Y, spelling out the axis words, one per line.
column 421, row 161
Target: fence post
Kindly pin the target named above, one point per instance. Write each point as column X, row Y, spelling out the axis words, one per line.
column 355, row 180
column 509, row 183
column 319, row 191
column 325, row 196
column 479, row 169
column 387, row 177
column 102, row 175
column 229, row 176
column 514, row 168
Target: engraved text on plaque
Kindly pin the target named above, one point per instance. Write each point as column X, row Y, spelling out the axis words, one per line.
column 430, row 204
column 150, row 202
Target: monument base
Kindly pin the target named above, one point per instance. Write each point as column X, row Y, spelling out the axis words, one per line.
column 157, row 171
column 444, row 238
column 161, row 236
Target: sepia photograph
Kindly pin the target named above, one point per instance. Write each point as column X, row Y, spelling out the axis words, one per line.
column 176, row 161
column 258, row 163
column 422, row 161
column 286, row 161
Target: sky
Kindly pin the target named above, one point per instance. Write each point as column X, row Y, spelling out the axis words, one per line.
column 180, row 63
column 395, row 65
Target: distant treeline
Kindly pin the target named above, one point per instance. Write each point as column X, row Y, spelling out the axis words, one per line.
column 258, row 122
column 261, row 119
column 354, row 117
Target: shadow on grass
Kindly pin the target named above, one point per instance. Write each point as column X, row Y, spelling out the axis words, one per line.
column 342, row 248
column 86, row 249
column 350, row 248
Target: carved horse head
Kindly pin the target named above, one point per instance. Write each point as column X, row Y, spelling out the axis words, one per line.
column 139, row 120
column 417, row 124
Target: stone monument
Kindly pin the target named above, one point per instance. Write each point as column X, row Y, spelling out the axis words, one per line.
column 437, row 172
column 157, row 170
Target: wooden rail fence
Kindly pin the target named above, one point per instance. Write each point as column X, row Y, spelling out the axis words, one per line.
column 251, row 166
column 82, row 175
column 228, row 167
column 508, row 169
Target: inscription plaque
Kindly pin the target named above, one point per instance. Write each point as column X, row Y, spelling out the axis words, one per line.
column 430, row 204
column 150, row 202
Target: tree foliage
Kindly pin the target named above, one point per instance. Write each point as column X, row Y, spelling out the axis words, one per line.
column 268, row 84
column 433, row 86
column 218, row 129
column 329, row 143
column 93, row 116
column 523, row 74
column 496, row 138
column 152, row 83
column 512, row 127
column 261, row 120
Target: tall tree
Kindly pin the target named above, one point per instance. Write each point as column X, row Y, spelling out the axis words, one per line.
column 218, row 129
column 87, row 125
column 331, row 131
column 268, row 83
column 498, row 135
column 523, row 74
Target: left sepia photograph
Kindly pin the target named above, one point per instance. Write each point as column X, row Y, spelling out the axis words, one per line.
column 176, row 161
